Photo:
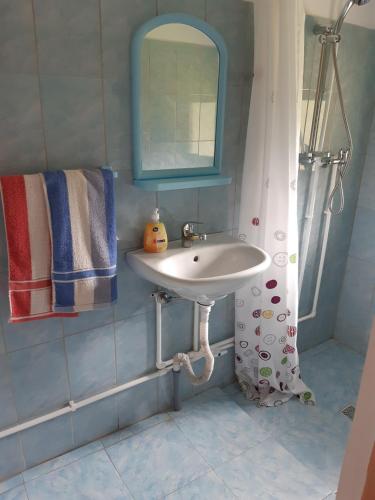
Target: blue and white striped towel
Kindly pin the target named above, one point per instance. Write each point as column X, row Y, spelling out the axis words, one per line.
column 83, row 236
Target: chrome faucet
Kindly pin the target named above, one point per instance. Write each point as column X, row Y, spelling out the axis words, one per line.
column 188, row 235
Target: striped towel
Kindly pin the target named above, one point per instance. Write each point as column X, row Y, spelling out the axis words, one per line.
column 29, row 248
column 83, row 234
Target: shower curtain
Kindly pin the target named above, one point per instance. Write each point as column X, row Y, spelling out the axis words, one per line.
column 267, row 311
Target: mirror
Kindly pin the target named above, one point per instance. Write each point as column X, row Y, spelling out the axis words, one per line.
column 179, row 70
column 180, row 73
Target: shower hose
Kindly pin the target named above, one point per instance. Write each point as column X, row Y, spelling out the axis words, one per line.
column 343, row 165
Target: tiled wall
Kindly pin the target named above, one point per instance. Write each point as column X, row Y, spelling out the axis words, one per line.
column 357, row 299
column 64, row 103
column 357, row 71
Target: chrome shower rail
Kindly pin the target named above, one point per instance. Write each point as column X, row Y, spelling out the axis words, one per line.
column 329, row 38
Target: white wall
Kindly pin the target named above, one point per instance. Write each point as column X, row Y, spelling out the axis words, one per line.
column 330, row 9
column 362, row 16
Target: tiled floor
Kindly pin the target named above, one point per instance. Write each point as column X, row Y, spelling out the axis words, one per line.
column 219, row 446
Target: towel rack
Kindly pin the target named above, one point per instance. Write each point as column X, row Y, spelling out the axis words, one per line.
column 108, row 167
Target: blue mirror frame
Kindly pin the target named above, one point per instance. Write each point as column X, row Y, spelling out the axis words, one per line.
column 184, row 174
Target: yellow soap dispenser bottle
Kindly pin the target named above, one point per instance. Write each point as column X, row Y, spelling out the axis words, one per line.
column 155, row 238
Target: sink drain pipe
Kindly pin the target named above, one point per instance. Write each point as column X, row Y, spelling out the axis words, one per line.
column 182, row 359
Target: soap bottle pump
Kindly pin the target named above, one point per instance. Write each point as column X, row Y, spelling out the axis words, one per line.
column 155, row 237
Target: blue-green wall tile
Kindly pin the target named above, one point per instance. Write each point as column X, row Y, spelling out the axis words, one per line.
column 73, row 116
column 233, row 19
column 233, row 112
column 118, row 126
column 135, row 346
column 2, row 343
column 133, row 210
column 216, row 208
column 221, row 324
column 11, row 458
column 17, row 45
column 68, row 37
column 37, row 444
column 39, row 378
column 84, row 122
column 177, row 318
column 8, row 414
column 353, row 327
column 21, row 335
column 134, row 293
column 137, row 403
column 120, row 19
column 362, row 244
column 366, row 195
column 192, row 7
column 94, row 421
column 176, row 208
column 21, row 135
column 91, row 361
column 88, row 320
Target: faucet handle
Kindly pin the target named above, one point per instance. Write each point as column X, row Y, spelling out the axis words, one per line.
column 191, row 223
column 188, row 227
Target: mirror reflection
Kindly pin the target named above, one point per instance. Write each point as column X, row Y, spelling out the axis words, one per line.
column 179, row 90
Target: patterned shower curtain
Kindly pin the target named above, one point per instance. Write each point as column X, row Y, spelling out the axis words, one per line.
column 267, row 364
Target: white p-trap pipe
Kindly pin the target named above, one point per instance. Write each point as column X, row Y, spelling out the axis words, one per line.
column 182, row 359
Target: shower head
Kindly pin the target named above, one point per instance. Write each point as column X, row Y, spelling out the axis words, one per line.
column 348, row 5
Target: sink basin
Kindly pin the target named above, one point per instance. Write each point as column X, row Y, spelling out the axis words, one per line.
column 207, row 271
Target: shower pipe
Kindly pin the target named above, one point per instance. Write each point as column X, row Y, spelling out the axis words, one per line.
column 327, row 224
column 218, row 349
column 328, row 37
column 309, row 216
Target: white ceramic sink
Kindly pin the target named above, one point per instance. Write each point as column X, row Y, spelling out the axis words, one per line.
column 209, row 270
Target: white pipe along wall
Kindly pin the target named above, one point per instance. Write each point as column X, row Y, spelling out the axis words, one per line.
column 163, row 367
column 184, row 360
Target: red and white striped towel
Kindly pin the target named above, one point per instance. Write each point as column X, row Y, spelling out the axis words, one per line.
column 29, row 248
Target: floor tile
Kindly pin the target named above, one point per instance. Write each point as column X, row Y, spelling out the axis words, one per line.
column 317, row 349
column 18, row 493
column 269, row 471
column 291, row 451
column 157, row 461
column 116, row 437
column 273, row 419
column 63, row 460
column 92, row 477
column 149, row 422
column 11, row 483
column 218, row 428
column 207, row 486
column 232, row 389
column 318, row 440
column 334, row 375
